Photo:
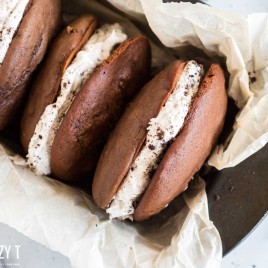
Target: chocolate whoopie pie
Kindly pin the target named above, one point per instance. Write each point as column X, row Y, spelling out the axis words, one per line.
column 26, row 28
column 161, row 141
column 86, row 81
column 46, row 86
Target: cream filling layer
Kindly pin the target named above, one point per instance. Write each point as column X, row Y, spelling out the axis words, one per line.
column 11, row 14
column 96, row 50
column 161, row 131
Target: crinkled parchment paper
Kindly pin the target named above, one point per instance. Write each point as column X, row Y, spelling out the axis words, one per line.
column 65, row 219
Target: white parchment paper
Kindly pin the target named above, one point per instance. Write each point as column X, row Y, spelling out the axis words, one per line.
column 65, row 219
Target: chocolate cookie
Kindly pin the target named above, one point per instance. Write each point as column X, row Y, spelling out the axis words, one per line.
column 37, row 27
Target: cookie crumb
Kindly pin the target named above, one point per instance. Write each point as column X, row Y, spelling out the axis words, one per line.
column 151, row 147
column 160, row 133
column 217, row 197
column 253, row 80
column 71, row 30
column 231, row 188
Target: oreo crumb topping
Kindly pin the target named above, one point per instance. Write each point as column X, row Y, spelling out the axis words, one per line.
column 151, row 172
column 151, row 147
column 160, row 133
column 217, row 197
column 253, row 79
column 135, row 204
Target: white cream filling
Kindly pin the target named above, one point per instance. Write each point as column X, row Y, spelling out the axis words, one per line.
column 96, row 50
column 11, row 13
column 161, row 130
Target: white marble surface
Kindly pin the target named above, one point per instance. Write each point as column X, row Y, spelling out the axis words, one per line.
column 18, row 251
column 244, row 7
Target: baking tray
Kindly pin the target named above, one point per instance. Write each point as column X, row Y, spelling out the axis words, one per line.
column 238, row 198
